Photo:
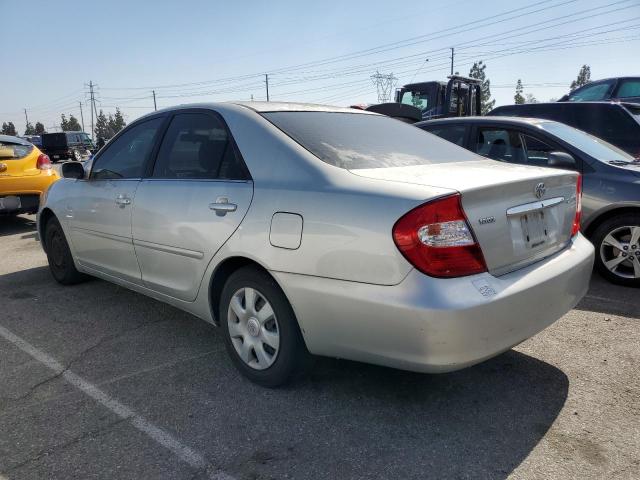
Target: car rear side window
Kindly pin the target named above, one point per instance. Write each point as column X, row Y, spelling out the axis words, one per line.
column 629, row 88
column 598, row 91
column 126, row 155
column 197, row 146
column 500, row 144
column 360, row 141
column 451, row 133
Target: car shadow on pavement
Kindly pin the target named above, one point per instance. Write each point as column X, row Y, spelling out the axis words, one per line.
column 346, row 420
column 608, row 298
column 11, row 225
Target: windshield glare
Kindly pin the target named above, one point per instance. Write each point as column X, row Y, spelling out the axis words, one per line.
column 356, row 141
column 593, row 146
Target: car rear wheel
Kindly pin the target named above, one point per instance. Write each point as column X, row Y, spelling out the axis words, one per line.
column 76, row 156
column 59, row 256
column 617, row 242
column 261, row 332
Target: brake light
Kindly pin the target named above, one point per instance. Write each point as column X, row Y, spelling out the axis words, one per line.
column 575, row 228
column 437, row 239
column 43, row 162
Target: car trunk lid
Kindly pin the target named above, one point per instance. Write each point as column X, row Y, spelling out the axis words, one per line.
column 518, row 214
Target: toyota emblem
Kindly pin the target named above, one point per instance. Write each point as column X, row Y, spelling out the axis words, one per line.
column 3, row 167
column 540, row 190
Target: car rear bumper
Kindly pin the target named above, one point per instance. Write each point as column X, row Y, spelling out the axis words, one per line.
column 28, row 188
column 437, row 325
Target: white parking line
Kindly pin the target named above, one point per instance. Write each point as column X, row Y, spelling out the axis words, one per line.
column 183, row 452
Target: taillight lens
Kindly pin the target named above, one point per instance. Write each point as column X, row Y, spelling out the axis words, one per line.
column 575, row 228
column 437, row 240
column 43, row 162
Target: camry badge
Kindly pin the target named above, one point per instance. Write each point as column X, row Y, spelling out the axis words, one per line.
column 540, row 190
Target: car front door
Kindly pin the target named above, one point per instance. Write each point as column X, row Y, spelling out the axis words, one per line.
column 192, row 201
column 99, row 210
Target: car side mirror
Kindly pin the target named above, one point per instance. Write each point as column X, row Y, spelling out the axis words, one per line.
column 73, row 170
column 561, row 160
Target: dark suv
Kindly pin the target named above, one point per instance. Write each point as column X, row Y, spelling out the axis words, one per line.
column 625, row 89
column 610, row 178
column 617, row 123
column 71, row 145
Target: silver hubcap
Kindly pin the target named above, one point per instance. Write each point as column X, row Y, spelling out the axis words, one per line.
column 253, row 328
column 620, row 251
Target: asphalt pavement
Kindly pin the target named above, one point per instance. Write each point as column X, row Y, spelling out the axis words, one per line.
column 100, row 382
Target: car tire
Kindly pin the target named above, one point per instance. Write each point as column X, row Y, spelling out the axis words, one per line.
column 250, row 333
column 59, row 255
column 76, row 156
column 619, row 265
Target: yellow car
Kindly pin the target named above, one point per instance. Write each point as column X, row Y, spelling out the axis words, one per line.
column 25, row 173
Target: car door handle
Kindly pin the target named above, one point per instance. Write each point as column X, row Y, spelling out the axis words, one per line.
column 123, row 201
column 222, row 206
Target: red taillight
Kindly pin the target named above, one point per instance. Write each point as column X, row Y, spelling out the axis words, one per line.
column 43, row 162
column 437, row 240
column 575, row 228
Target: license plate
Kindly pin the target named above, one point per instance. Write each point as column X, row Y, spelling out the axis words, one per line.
column 534, row 229
column 10, row 203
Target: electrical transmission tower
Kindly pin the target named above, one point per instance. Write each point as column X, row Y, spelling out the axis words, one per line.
column 385, row 85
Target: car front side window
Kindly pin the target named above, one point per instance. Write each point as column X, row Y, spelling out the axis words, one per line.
column 126, row 156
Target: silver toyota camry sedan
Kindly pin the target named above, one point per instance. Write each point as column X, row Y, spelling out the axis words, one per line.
column 307, row 230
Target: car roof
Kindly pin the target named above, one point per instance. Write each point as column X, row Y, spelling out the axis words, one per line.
column 482, row 120
column 263, row 107
column 12, row 139
column 557, row 104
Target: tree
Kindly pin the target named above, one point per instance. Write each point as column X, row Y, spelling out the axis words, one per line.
column 8, row 128
column 29, row 129
column 116, row 123
column 477, row 71
column 102, row 128
column 74, row 124
column 584, row 77
column 518, row 98
column 40, row 128
column 529, row 98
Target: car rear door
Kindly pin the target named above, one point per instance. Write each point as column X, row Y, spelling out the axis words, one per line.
column 99, row 209
column 192, row 201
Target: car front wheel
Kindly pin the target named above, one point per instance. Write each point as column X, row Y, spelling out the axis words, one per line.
column 59, row 256
column 76, row 156
column 261, row 332
column 617, row 242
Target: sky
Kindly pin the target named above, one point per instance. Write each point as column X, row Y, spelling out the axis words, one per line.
column 322, row 52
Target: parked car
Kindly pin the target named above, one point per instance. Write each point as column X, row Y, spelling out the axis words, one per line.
column 25, row 173
column 610, row 178
column 626, row 89
column 303, row 229
column 617, row 123
column 35, row 139
column 67, row 145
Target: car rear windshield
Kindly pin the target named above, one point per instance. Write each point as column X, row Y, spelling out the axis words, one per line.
column 14, row 151
column 593, row 146
column 354, row 141
column 54, row 140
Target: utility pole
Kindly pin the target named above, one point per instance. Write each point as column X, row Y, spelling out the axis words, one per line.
column 81, row 116
column 154, row 100
column 452, row 54
column 25, row 117
column 93, row 105
column 266, row 81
